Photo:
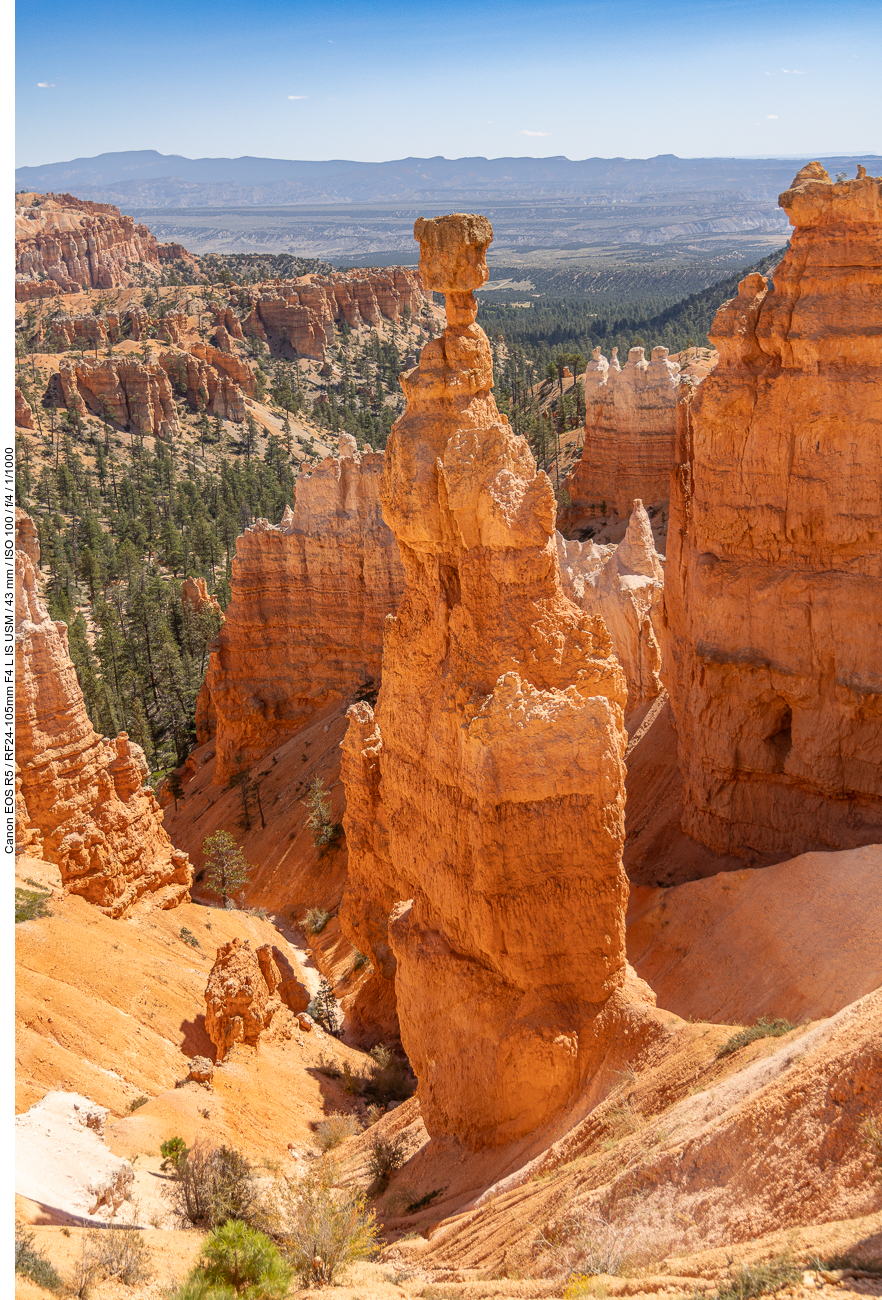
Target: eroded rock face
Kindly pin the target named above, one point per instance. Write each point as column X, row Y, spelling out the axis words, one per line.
column 630, row 428
column 61, row 1159
column 24, row 416
column 82, row 794
column 132, row 393
column 773, row 600
column 305, row 622
column 245, row 989
column 65, row 244
column 485, row 796
column 623, row 584
column 196, row 596
column 299, row 315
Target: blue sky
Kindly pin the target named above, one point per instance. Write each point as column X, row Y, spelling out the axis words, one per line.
column 373, row 81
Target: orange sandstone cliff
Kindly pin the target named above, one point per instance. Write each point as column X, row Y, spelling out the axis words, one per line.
column 63, row 243
column 773, row 600
column 485, row 795
column 304, row 626
column 82, row 802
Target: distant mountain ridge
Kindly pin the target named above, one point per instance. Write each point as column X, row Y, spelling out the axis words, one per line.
column 145, row 177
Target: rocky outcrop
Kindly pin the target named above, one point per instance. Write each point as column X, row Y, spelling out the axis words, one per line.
column 245, row 989
column 630, row 427
column 485, row 794
column 24, row 416
column 623, row 584
column 773, row 601
column 210, row 378
column 195, row 596
column 309, row 600
column 297, row 317
column 26, row 538
column 61, row 1160
column 83, row 795
column 132, row 393
column 65, row 244
column 55, row 333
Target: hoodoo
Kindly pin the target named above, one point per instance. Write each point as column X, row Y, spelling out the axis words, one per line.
column 305, row 623
column 82, row 801
column 485, row 796
column 773, row 597
column 630, row 427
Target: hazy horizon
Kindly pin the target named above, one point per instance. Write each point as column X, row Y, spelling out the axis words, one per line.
column 370, row 82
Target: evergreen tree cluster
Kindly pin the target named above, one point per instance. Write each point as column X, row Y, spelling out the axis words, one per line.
column 555, row 326
column 117, row 539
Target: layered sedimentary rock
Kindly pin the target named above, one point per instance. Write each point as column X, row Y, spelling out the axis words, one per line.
column 209, row 377
column 87, row 330
column 63, row 243
column 83, row 795
column 24, row 416
column 773, row 600
column 245, row 989
column 624, row 584
column 630, row 427
column 138, row 394
column 298, row 316
column 485, row 794
column 305, row 622
column 134, row 394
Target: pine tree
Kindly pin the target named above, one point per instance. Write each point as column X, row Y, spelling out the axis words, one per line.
column 225, row 867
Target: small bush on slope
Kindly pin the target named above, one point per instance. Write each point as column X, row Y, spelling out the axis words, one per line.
column 321, row 1229
column 32, row 1263
column 762, row 1029
column 211, row 1185
column 330, row 1132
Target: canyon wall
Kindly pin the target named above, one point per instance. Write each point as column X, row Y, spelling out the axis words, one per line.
column 773, row 599
column 298, row 316
column 63, row 244
column 305, row 622
column 485, row 793
column 82, row 800
column 630, row 427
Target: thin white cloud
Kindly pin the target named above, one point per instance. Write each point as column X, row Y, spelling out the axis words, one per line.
column 771, row 117
column 45, row 85
column 535, row 133
column 298, row 96
column 794, row 72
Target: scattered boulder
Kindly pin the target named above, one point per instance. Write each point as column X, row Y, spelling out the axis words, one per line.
column 201, row 1070
column 61, row 1159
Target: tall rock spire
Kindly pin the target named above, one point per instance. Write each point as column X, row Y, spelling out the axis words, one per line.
column 485, row 797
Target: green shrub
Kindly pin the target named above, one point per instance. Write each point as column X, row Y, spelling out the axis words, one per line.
column 211, row 1185
column 30, row 905
column 189, row 937
column 315, row 920
column 137, row 1104
column 32, row 1263
column 173, row 1152
column 330, row 1132
column 240, row 1260
column 324, row 1008
column 762, row 1029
